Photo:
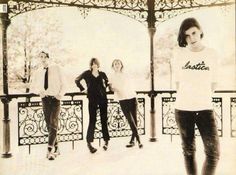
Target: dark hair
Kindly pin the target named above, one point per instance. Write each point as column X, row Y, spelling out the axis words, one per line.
column 94, row 60
column 117, row 60
column 43, row 52
column 185, row 25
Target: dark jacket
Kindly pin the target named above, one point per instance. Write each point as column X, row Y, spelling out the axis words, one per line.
column 96, row 85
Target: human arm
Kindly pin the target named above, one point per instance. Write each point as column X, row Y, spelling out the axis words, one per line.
column 215, row 71
column 35, row 83
column 61, row 83
column 175, row 79
column 107, row 83
column 105, row 80
column 78, row 81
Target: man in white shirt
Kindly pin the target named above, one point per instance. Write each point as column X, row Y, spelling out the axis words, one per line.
column 48, row 83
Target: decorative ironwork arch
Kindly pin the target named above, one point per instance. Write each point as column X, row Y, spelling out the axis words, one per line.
column 136, row 9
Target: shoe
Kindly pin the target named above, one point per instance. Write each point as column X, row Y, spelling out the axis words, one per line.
column 105, row 145
column 91, row 148
column 56, row 152
column 140, row 145
column 50, row 156
column 131, row 144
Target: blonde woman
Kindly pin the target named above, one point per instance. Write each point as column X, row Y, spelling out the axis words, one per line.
column 125, row 94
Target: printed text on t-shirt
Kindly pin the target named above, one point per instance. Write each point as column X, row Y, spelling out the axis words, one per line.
column 198, row 66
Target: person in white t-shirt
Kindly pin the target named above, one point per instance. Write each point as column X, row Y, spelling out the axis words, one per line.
column 48, row 82
column 124, row 92
column 195, row 68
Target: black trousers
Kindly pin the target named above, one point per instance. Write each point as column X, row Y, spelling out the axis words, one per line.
column 206, row 124
column 51, row 109
column 93, row 105
column 129, row 109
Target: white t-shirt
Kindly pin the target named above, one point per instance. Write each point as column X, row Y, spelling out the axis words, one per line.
column 195, row 72
column 123, row 84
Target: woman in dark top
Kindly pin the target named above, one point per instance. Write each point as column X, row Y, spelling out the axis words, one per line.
column 97, row 82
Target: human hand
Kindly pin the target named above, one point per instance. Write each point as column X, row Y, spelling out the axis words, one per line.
column 114, row 90
column 42, row 94
column 58, row 97
column 84, row 91
column 26, row 85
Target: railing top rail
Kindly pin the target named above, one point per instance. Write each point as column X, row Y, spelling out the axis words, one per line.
column 72, row 94
column 171, row 91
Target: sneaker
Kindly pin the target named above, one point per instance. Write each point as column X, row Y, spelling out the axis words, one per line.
column 50, row 156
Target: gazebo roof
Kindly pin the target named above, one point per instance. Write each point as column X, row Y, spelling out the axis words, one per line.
column 140, row 10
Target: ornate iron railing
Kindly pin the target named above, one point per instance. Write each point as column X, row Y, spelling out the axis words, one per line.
column 117, row 123
column 32, row 127
column 169, row 125
column 233, row 116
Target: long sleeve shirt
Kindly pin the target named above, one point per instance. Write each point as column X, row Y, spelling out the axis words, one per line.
column 55, row 81
column 123, row 86
column 96, row 86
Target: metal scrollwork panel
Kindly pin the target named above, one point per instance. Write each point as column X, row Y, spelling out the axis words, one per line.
column 117, row 123
column 181, row 4
column 131, row 9
column 169, row 125
column 19, row 7
column 217, row 106
column 32, row 126
column 162, row 16
column 233, row 116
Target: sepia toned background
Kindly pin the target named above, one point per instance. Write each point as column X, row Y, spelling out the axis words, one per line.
column 71, row 40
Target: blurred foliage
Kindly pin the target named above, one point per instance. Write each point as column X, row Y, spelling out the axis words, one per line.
column 29, row 34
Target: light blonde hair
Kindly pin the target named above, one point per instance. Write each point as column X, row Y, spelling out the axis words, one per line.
column 117, row 60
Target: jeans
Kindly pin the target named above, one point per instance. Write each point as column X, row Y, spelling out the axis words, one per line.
column 51, row 109
column 206, row 124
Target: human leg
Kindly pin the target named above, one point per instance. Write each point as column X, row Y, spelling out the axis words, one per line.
column 51, row 108
column 186, row 124
column 54, row 125
column 208, row 130
column 103, row 115
column 91, row 127
column 55, row 111
column 129, row 109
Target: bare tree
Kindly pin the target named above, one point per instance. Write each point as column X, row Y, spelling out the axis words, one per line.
column 164, row 47
column 27, row 37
